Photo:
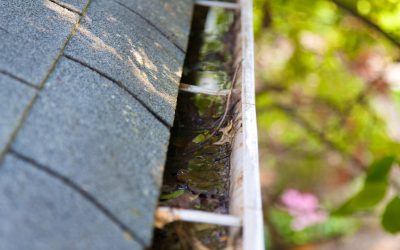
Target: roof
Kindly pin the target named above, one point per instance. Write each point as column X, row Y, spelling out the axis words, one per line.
column 90, row 90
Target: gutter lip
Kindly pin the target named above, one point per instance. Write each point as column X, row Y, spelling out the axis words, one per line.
column 253, row 225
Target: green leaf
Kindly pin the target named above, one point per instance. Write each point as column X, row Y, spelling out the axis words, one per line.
column 200, row 138
column 374, row 189
column 390, row 218
column 371, row 194
column 172, row 195
column 379, row 170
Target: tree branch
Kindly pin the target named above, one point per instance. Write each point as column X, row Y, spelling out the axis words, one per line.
column 321, row 136
column 367, row 21
column 280, row 89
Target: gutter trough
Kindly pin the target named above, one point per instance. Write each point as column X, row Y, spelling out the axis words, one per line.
column 242, row 219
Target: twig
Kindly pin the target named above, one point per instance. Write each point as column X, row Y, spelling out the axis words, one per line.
column 220, row 4
column 228, row 100
column 202, row 90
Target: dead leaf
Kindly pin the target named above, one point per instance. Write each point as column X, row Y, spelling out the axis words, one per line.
column 186, row 200
column 227, row 134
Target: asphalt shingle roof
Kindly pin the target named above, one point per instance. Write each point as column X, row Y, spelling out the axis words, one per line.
column 88, row 95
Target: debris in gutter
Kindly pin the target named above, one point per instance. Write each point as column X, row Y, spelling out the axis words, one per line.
column 197, row 172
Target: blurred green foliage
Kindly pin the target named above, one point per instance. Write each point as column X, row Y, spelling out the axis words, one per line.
column 390, row 217
column 333, row 227
column 374, row 189
column 321, row 68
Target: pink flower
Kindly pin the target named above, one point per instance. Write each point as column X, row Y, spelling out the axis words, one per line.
column 303, row 207
column 302, row 221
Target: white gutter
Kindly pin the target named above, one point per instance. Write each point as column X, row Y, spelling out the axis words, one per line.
column 246, row 217
column 253, row 226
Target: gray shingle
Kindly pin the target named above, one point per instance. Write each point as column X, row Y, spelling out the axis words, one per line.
column 39, row 212
column 86, row 128
column 14, row 97
column 170, row 16
column 114, row 40
column 75, row 5
column 32, row 35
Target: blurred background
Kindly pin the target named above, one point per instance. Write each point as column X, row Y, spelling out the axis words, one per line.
column 328, row 103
